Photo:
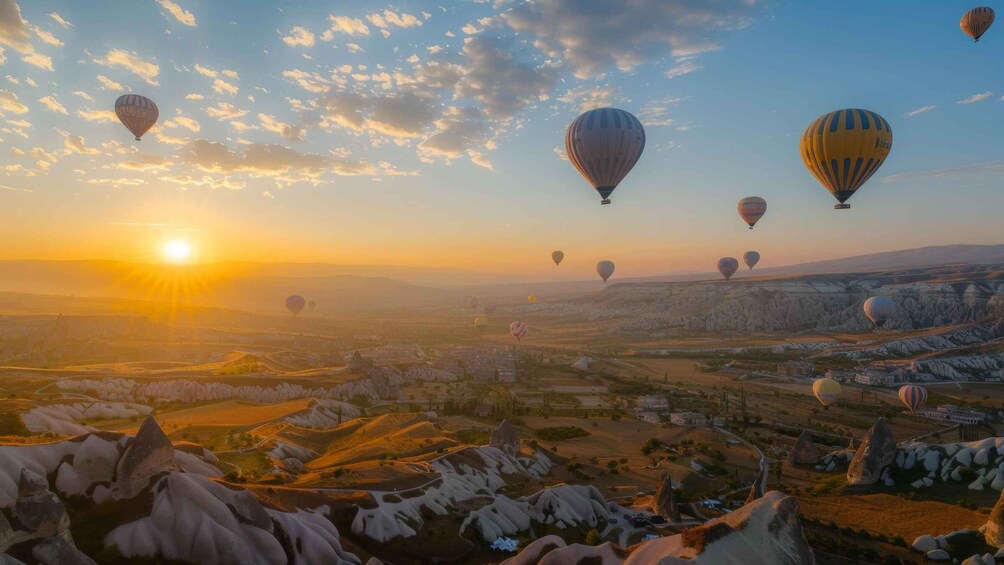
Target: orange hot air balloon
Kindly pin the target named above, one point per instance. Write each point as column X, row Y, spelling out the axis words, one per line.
column 977, row 21
column 557, row 256
column 751, row 209
column 604, row 144
column 137, row 113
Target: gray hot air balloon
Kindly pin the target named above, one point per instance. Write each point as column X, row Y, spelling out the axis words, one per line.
column 604, row 269
column 604, row 144
column 751, row 258
column 728, row 266
column 557, row 256
column 295, row 304
column 878, row 309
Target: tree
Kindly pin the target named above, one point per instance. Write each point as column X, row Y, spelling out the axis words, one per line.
column 593, row 537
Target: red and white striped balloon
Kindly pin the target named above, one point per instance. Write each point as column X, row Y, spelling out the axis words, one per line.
column 518, row 330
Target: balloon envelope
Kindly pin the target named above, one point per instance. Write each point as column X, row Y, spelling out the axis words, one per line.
column 557, row 256
column 312, row 304
column 137, row 113
column 518, row 330
column 751, row 209
column 728, row 266
column 913, row 396
column 532, row 298
column 826, row 391
column 604, row 269
column 751, row 258
column 604, row 144
column 844, row 148
column 977, row 21
column 878, row 309
column 295, row 304
column 481, row 323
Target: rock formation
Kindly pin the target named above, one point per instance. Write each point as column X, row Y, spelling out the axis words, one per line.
column 803, row 453
column 505, row 438
column 37, row 509
column 148, row 454
column 876, row 451
column 663, row 502
column 994, row 530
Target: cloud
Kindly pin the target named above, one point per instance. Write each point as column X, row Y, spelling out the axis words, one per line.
column 225, row 111
column 194, row 97
column 463, row 132
column 976, row 98
column 221, row 86
column 282, row 163
column 655, row 112
column 187, row 180
column 390, row 18
column 10, row 103
column 683, row 66
column 584, row 98
column 109, row 84
column 187, row 123
column 117, row 182
column 76, row 144
column 59, row 19
column 52, row 104
column 354, row 48
column 13, row 29
column 100, row 116
column 46, row 37
column 178, row 12
column 398, row 116
column 287, row 131
column 495, row 79
column 131, row 62
column 38, row 60
column 920, row 110
column 206, row 71
column 299, row 36
column 348, row 26
column 983, row 171
column 82, row 94
column 593, row 36
column 144, row 163
column 309, row 81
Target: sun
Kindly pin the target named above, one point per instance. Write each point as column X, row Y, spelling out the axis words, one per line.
column 177, row 251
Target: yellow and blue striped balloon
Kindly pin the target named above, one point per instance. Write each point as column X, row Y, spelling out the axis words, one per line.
column 913, row 396
column 844, row 148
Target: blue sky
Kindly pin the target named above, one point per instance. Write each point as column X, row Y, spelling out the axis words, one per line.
column 427, row 133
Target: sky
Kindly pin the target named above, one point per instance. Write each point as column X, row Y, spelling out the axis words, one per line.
column 431, row 134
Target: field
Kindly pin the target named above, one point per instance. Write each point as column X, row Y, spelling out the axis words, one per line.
column 230, row 413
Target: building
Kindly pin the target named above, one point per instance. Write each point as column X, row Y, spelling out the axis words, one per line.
column 653, row 403
column 648, row 416
column 950, row 413
column 840, row 376
column 688, row 419
column 872, row 377
column 796, row 369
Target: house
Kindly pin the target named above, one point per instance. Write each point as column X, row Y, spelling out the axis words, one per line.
column 648, row 416
column 688, row 419
column 482, row 410
column 653, row 403
column 796, row 369
column 872, row 377
column 950, row 413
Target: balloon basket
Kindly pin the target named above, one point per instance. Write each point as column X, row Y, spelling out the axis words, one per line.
column 842, row 207
column 605, row 201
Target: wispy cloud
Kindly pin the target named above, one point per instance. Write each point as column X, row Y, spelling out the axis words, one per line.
column 132, row 62
column 993, row 168
column 920, row 110
column 976, row 98
column 178, row 12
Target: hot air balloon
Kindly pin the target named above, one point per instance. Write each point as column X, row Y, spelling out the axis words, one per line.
column 728, row 266
column 751, row 258
column 475, row 303
column 295, row 304
column 481, row 323
column 489, row 310
column 914, row 396
column 312, row 304
column 137, row 113
column 977, row 21
column 826, row 391
column 518, row 330
column 604, row 269
column 604, row 144
column 532, row 298
column 751, row 209
column 843, row 149
column 878, row 309
column 557, row 256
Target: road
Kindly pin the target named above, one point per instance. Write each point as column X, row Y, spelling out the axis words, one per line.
column 764, row 467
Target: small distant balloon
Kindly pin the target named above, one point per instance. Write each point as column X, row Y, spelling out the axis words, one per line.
column 878, row 309
column 604, row 269
column 532, row 298
column 728, row 266
column 751, row 209
column 913, row 396
column 475, row 303
column 312, row 304
column 481, row 323
column 557, row 256
column 844, row 148
column 826, row 391
column 604, row 144
column 518, row 330
column 489, row 310
column 137, row 113
column 295, row 304
column 751, row 258
column 977, row 21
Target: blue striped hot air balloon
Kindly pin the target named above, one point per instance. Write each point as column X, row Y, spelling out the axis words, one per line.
column 604, row 144
column 913, row 396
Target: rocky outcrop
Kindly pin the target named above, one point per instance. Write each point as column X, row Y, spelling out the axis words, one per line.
column 505, row 438
column 325, row 413
column 148, row 454
column 37, row 509
column 664, row 502
column 803, row 453
column 876, row 452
